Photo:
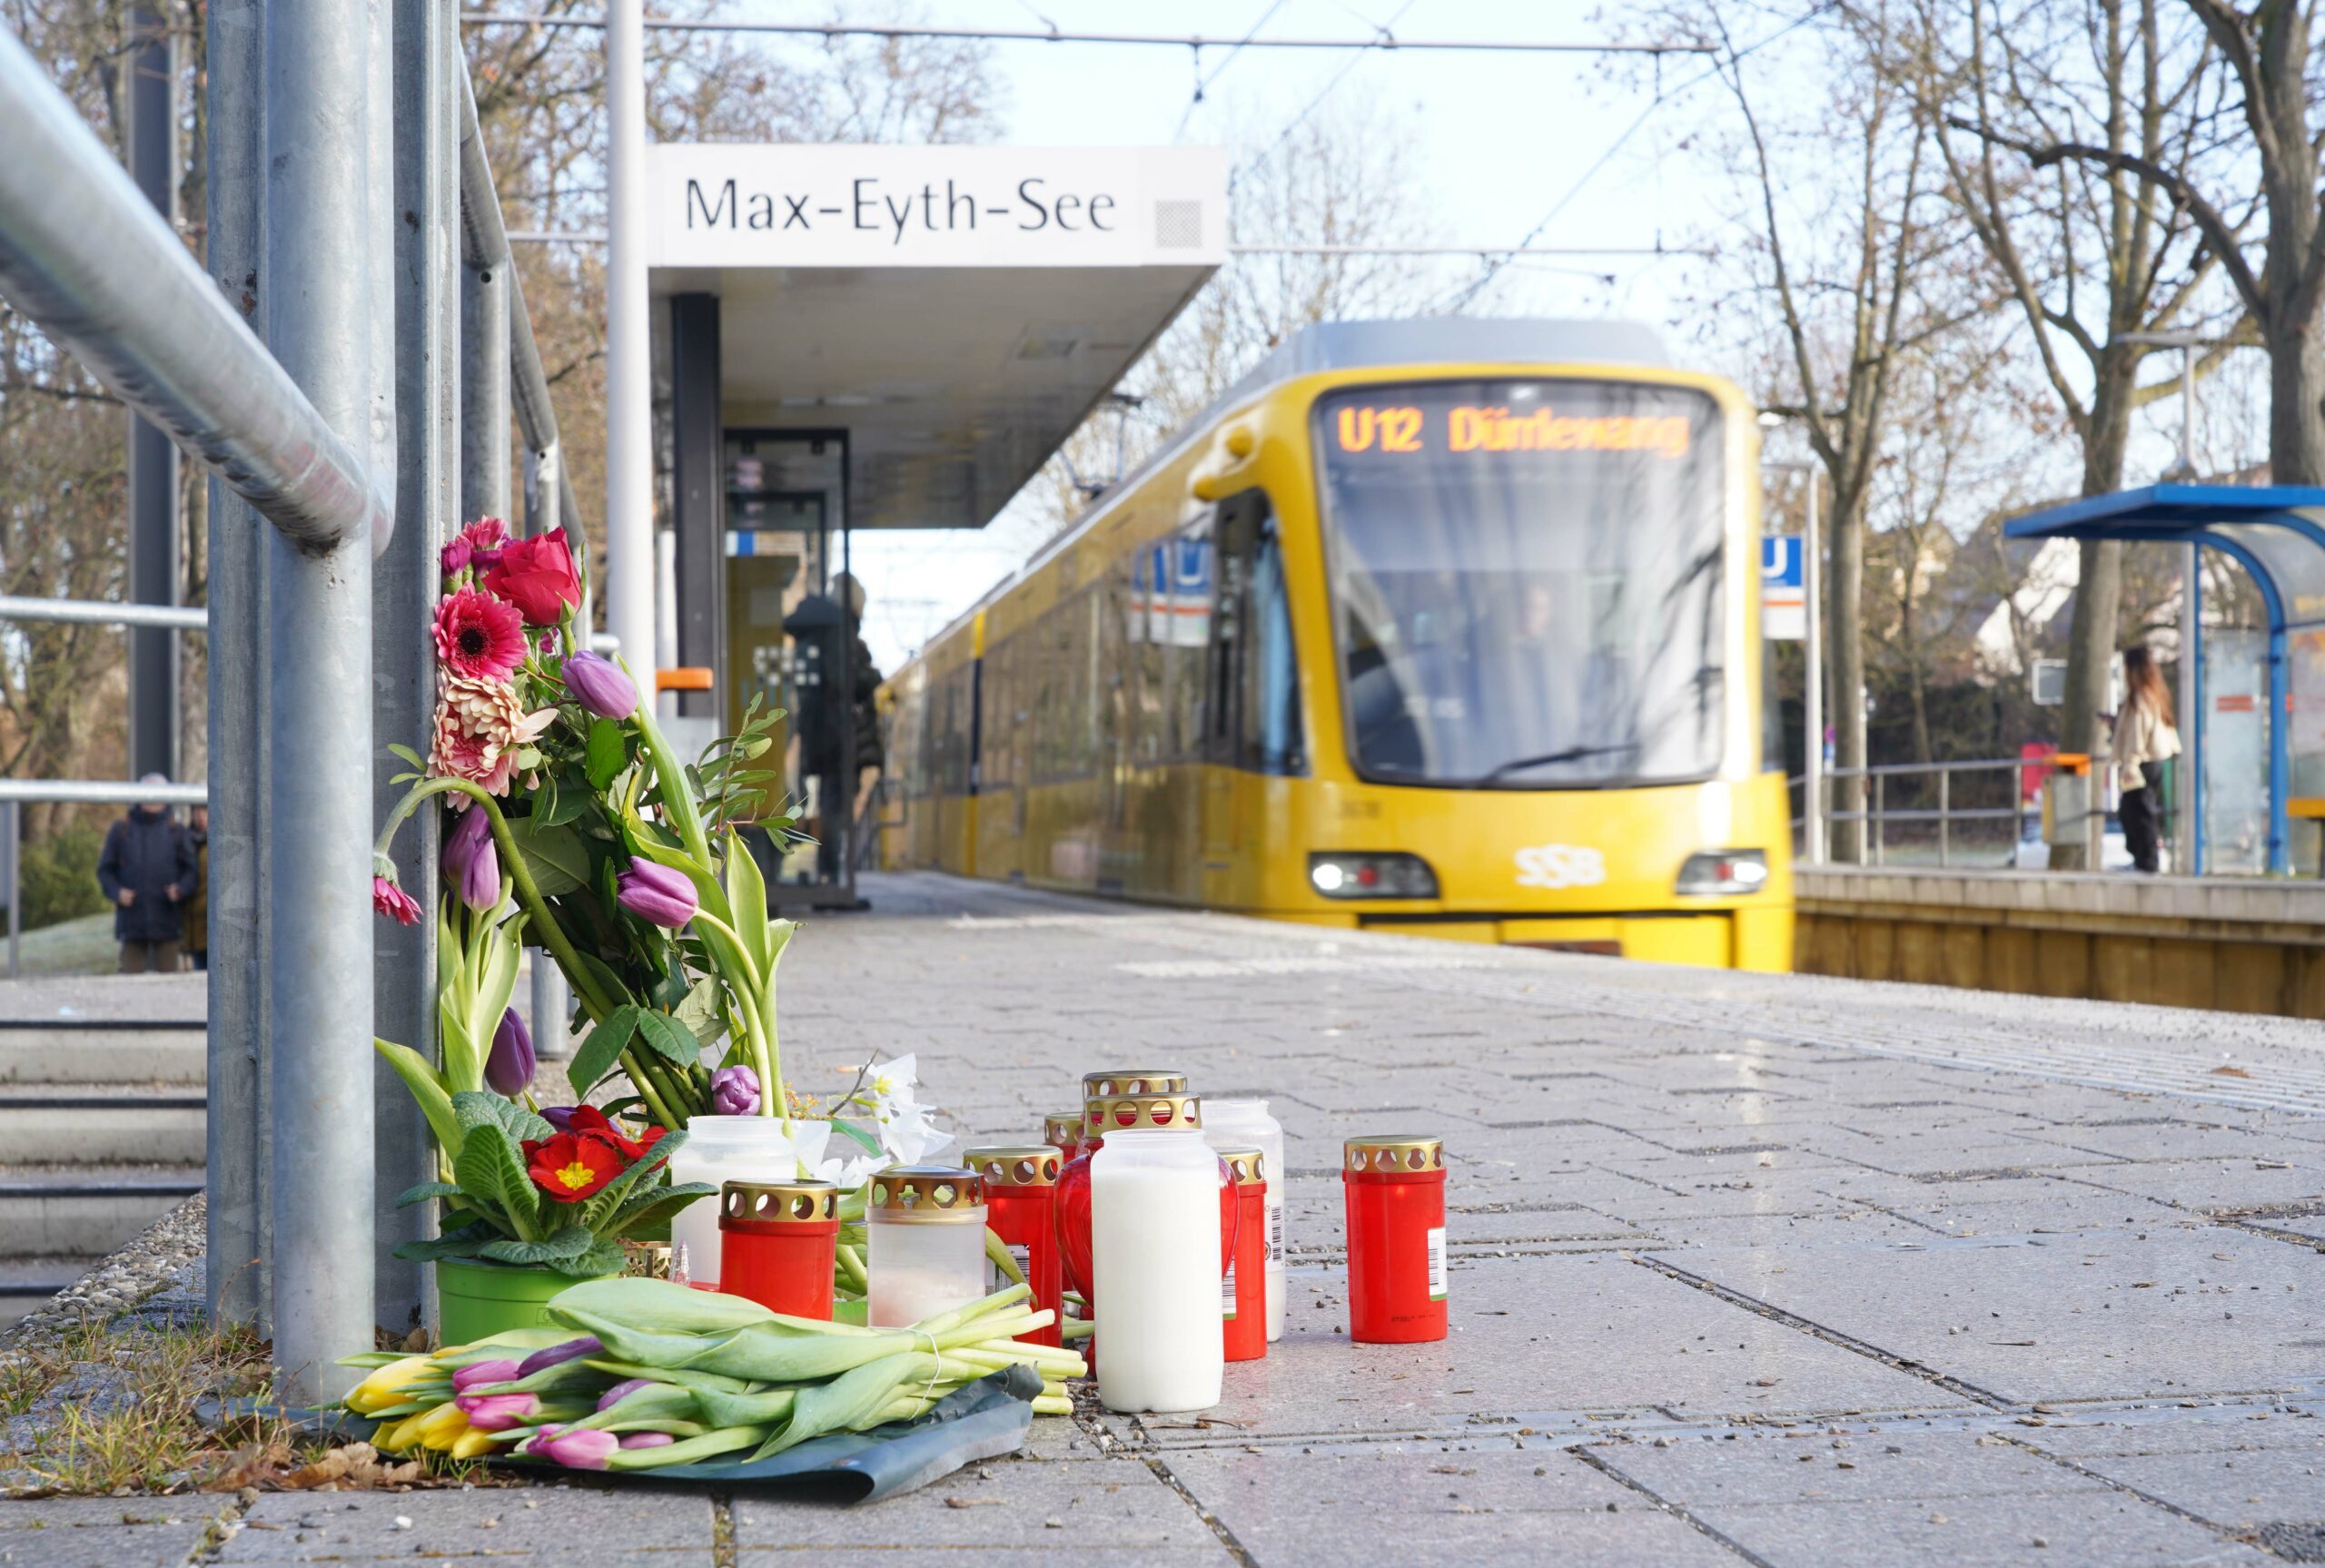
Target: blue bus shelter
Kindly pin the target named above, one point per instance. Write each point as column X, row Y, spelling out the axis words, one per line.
column 2277, row 534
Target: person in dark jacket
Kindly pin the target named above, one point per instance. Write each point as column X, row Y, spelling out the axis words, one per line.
column 148, row 872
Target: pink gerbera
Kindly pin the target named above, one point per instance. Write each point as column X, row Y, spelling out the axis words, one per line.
column 478, row 636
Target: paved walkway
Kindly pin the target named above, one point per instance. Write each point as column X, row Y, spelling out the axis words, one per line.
column 1745, row 1270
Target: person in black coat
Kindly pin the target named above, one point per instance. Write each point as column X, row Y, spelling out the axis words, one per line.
column 148, row 872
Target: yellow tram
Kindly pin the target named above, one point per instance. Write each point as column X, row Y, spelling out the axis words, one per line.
column 1448, row 628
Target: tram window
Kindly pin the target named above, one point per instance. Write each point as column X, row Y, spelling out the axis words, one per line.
column 1526, row 580
column 1187, row 561
column 1271, row 701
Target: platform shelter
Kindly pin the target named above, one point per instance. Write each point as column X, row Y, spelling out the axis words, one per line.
column 2277, row 534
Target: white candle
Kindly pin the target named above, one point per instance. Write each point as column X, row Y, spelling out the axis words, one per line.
column 1154, row 1248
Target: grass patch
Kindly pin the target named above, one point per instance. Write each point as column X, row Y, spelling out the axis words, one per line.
column 97, row 1411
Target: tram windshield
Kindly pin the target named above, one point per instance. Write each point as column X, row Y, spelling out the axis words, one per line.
column 1526, row 581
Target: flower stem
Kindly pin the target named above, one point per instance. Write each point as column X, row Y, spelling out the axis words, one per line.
column 677, row 793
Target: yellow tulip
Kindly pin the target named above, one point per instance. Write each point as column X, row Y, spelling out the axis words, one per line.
column 474, row 1444
column 399, row 1433
column 386, row 1385
column 441, row 1428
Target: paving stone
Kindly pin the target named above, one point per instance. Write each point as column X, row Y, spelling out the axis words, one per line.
column 2075, row 1530
column 106, row 1531
column 575, row 1525
column 1119, row 1502
column 2107, row 1314
column 1290, row 1510
column 2241, row 1489
column 1816, row 1465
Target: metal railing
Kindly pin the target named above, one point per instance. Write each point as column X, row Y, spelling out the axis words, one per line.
column 1934, row 783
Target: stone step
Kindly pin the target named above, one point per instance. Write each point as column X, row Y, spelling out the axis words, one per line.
column 99, row 1052
column 91, row 1124
column 86, row 1211
column 26, row 1282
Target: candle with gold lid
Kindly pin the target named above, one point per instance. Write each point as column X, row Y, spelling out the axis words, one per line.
column 1394, row 1185
column 777, row 1240
column 1243, row 1290
column 925, row 1228
column 1154, row 1225
column 1021, row 1209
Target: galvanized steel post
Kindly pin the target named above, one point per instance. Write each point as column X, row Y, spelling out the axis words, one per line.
column 403, row 597
column 629, row 455
column 326, row 217
column 236, row 1278
column 154, row 660
column 484, row 389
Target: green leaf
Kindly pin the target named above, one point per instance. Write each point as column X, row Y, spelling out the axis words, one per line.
column 478, row 1108
column 426, row 1087
column 559, row 800
column 605, row 1258
column 410, row 756
column 426, row 1190
column 554, row 854
column 655, row 1204
column 461, row 1243
column 698, row 1011
column 870, row 1142
column 597, row 1055
column 669, row 1037
column 610, row 1198
column 608, row 752
column 747, row 893
column 568, row 1243
column 490, row 1171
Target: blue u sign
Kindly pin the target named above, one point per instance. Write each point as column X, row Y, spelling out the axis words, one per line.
column 1780, row 561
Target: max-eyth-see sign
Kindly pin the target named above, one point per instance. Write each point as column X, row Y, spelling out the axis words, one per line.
column 879, row 206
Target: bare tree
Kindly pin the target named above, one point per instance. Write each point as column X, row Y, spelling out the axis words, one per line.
column 2093, row 255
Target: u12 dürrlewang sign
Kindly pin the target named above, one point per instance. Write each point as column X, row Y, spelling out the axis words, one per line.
column 800, row 205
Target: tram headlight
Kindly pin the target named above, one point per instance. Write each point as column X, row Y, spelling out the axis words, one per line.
column 1723, row 873
column 1384, row 875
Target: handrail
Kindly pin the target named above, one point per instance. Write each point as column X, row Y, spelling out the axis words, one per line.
column 484, row 242
column 103, row 613
column 88, row 259
column 1876, row 810
column 101, row 792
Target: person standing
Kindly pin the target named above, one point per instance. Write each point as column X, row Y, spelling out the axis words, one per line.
column 147, row 869
column 2144, row 741
column 197, row 908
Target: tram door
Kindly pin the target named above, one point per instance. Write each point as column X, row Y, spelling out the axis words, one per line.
column 1228, row 880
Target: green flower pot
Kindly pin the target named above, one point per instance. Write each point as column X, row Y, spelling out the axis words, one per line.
column 478, row 1300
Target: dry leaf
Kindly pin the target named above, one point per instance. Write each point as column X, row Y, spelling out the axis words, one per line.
column 2229, row 1072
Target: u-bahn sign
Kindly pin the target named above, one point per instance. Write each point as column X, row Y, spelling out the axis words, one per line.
column 796, row 205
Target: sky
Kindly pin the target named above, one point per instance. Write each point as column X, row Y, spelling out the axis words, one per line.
column 1500, row 143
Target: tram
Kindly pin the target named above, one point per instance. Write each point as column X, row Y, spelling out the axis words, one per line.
column 1448, row 628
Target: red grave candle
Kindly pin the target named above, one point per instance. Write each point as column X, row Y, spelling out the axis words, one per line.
column 776, row 1242
column 1243, row 1290
column 1062, row 1130
column 1021, row 1208
column 1395, row 1187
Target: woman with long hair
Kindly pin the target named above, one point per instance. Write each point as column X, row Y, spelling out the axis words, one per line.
column 2144, row 741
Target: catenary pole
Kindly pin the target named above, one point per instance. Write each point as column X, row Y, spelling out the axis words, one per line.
column 629, row 458
column 154, row 660
column 324, row 219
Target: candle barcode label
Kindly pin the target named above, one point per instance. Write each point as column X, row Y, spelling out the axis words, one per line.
column 1436, row 1263
column 1227, row 1292
column 1020, row 1255
column 1275, row 1232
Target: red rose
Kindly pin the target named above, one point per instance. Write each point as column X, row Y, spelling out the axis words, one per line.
column 537, row 575
column 570, row 1168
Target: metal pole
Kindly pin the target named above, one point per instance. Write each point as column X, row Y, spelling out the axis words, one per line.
column 1811, row 808
column 2186, row 854
column 427, row 370
column 15, row 832
column 630, row 455
column 324, row 78
column 1945, row 816
column 484, row 392
column 153, row 460
column 235, row 1251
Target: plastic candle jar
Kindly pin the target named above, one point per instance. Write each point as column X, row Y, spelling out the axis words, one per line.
column 1245, row 1123
column 1395, row 1188
column 1154, row 1248
column 1020, row 1206
column 924, row 1226
column 776, row 1243
column 1098, row 1117
column 719, row 1149
column 1246, row 1289
column 1062, row 1130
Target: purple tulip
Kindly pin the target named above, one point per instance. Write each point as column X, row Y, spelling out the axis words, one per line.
column 558, row 1355
column 498, row 1411
column 657, row 893
column 559, row 1116
column 479, row 1372
column 471, row 862
column 734, row 1092
column 509, row 1068
column 576, row 1447
column 620, row 1391
column 646, row 1440
column 602, row 686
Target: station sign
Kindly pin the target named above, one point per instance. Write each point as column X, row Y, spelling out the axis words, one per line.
column 1783, row 599
column 859, row 205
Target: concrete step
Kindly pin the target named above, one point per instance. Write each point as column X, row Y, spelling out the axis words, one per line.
column 26, row 1282
column 93, row 1124
column 85, row 1211
column 98, row 1052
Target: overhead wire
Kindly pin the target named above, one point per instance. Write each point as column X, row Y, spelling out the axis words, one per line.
column 1250, row 165
column 1203, row 82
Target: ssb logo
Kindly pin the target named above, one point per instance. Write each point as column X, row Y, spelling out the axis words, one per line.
column 1556, row 865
